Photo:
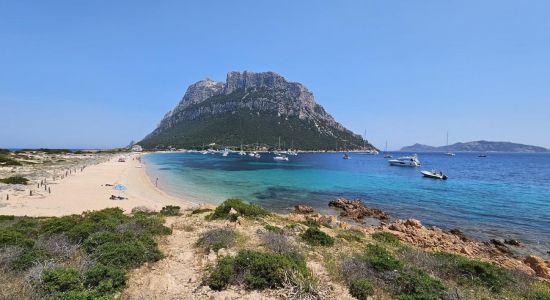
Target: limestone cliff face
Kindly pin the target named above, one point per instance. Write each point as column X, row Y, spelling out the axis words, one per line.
column 264, row 93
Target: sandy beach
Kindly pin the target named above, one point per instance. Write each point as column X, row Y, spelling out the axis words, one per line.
column 89, row 190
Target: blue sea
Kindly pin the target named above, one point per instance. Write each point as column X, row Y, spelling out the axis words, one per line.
column 504, row 195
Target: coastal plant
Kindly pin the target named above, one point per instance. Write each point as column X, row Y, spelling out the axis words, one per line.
column 242, row 209
column 361, row 288
column 380, row 259
column 61, row 280
column 351, row 235
column 387, row 238
column 197, row 211
column 255, row 270
column 278, row 243
column 14, row 180
column 7, row 161
column 313, row 236
column 274, row 229
column 414, row 284
column 216, row 239
column 170, row 210
column 103, row 244
column 472, row 272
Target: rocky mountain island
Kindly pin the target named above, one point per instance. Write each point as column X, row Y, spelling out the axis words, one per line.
column 477, row 146
column 254, row 110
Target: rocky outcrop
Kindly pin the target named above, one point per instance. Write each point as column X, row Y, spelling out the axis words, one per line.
column 250, row 94
column 356, row 210
column 303, row 209
column 539, row 265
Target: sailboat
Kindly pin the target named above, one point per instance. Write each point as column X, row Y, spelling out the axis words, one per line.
column 449, row 153
column 386, row 154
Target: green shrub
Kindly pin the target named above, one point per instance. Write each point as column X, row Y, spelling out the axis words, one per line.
column 60, row 225
column 386, row 237
column 417, row 285
column 489, row 275
column 200, row 211
column 312, row 223
column 170, row 210
column 127, row 252
column 313, row 236
column 222, row 274
column 102, row 220
column 15, row 180
column 351, row 235
column 469, row 271
column 61, row 280
column 11, row 237
column 216, row 239
column 243, row 209
column 258, row 270
column 106, row 276
column 7, row 161
column 380, row 259
column 274, row 229
column 266, row 270
column 7, row 218
column 539, row 291
column 152, row 224
column 361, row 288
column 28, row 258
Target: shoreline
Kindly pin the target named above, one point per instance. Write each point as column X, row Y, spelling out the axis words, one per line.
column 90, row 190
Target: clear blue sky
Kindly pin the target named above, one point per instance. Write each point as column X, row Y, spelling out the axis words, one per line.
column 101, row 73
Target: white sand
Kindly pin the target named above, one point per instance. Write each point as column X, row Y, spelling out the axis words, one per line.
column 86, row 190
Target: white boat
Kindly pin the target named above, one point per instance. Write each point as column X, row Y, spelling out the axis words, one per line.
column 434, row 175
column 204, row 152
column 242, row 152
column 449, row 153
column 386, row 155
column 225, row 152
column 290, row 152
column 257, row 155
column 252, row 154
column 280, row 158
column 346, row 156
column 405, row 161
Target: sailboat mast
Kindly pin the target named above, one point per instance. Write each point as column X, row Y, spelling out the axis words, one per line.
column 365, row 139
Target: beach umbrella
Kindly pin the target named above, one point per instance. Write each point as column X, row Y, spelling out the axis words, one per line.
column 119, row 187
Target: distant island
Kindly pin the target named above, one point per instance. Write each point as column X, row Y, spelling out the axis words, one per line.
column 253, row 111
column 476, row 146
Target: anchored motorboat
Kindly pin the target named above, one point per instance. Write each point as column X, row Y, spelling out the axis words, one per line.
column 405, row 161
column 225, row 152
column 346, row 156
column 434, row 175
column 280, row 158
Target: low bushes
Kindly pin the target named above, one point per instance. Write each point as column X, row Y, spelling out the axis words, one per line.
column 472, row 272
column 361, row 288
column 106, row 243
column 15, row 180
column 278, row 243
column 170, row 210
column 380, row 259
column 417, row 284
column 313, row 236
column 255, row 270
column 7, row 161
column 216, row 239
column 242, row 209
column 386, row 237
column 200, row 211
column 274, row 229
column 351, row 235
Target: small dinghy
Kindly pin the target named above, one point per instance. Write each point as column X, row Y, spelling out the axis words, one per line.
column 434, row 175
column 346, row 156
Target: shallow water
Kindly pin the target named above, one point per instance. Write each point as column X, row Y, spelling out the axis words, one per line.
column 500, row 196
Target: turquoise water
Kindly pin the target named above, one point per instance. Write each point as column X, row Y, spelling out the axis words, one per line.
column 500, row 196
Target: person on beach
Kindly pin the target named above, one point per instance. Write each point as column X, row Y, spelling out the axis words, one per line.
column 157, row 182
